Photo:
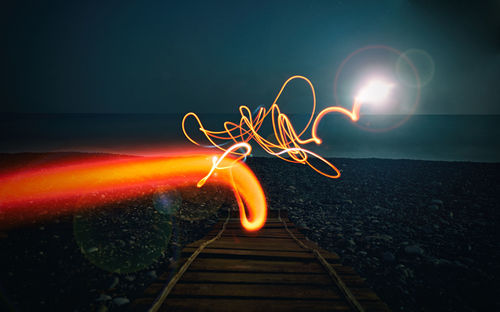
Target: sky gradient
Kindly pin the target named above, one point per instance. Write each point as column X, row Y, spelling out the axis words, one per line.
column 204, row 56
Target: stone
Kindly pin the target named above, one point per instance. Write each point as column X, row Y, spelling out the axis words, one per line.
column 434, row 207
column 102, row 308
column 437, row 202
column 119, row 301
column 114, row 282
column 92, row 249
column 414, row 250
column 103, row 297
column 152, row 274
column 388, row 256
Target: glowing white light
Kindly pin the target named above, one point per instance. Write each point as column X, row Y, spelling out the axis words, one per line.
column 375, row 92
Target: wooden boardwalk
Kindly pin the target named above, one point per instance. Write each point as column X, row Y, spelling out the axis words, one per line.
column 264, row 271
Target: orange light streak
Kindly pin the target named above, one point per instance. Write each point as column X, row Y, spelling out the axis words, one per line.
column 287, row 140
column 46, row 191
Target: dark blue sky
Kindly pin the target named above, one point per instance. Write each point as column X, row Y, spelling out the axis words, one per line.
column 161, row 56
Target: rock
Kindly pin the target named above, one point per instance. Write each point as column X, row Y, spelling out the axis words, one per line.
column 434, row 207
column 114, row 282
column 152, row 274
column 103, row 297
column 437, row 202
column 102, row 308
column 441, row 262
column 383, row 237
column 119, row 301
column 302, row 226
column 388, row 256
column 414, row 250
column 460, row 264
column 342, row 242
column 405, row 272
column 92, row 249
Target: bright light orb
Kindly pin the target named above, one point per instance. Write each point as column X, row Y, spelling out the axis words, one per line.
column 374, row 92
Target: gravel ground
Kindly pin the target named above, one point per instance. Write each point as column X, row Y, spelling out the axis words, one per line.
column 422, row 233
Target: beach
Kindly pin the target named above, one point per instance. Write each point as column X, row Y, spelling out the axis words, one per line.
column 422, row 233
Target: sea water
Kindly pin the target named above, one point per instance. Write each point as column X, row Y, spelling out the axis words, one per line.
column 428, row 137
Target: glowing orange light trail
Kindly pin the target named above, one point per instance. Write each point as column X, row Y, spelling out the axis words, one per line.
column 48, row 190
column 287, row 139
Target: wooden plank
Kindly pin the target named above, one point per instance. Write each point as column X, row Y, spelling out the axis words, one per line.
column 266, row 231
column 259, row 240
column 251, row 246
column 283, row 236
column 282, row 291
column 237, row 225
column 364, row 294
column 252, row 240
column 243, row 265
column 154, row 290
column 251, row 305
column 353, row 281
column 276, row 230
column 259, row 254
column 141, row 304
column 240, row 238
column 375, row 306
column 261, row 278
column 261, row 291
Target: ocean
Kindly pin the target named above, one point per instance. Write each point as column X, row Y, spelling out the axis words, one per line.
column 426, row 137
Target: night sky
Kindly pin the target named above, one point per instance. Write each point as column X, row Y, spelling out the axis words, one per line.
column 212, row 56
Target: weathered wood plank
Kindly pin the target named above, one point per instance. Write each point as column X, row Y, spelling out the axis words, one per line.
column 244, row 265
column 251, row 305
column 252, row 241
column 141, row 304
column 262, row 235
column 251, row 246
column 283, row 291
column 255, row 234
column 237, row 225
column 375, row 306
column 303, row 254
column 261, row 278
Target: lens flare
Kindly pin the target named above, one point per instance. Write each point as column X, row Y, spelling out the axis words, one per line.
column 375, row 92
column 413, row 101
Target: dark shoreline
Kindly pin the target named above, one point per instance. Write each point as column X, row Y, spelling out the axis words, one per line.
column 423, row 234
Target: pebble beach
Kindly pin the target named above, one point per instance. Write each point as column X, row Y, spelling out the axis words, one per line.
column 422, row 233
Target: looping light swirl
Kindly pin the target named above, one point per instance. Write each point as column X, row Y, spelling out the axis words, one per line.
column 287, row 140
